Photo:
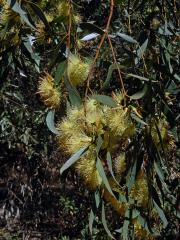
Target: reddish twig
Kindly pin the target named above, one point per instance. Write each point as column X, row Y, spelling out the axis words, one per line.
column 115, row 61
column 99, row 47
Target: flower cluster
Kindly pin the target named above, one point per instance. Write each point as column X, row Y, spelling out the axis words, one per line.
column 140, row 192
column 77, row 70
column 160, row 134
column 82, row 129
column 48, row 91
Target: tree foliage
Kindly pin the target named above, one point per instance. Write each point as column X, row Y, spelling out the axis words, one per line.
column 109, row 79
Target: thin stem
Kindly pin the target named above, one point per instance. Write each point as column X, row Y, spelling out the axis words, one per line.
column 99, row 47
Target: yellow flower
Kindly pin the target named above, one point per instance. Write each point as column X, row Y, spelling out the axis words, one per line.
column 76, row 18
column 118, row 97
column 119, row 122
column 86, row 168
column 9, row 15
column 77, row 141
column 120, row 164
column 77, row 70
column 165, row 138
column 48, row 92
column 63, row 9
column 139, row 191
column 140, row 232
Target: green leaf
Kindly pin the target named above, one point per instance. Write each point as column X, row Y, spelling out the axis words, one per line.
column 101, row 171
column 73, row 159
column 37, row 10
column 131, row 176
column 16, row 7
column 106, row 100
column 126, row 37
column 177, row 77
column 138, row 119
column 135, row 213
column 105, row 223
column 158, row 170
column 109, row 163
column 138, row 77
column 74, row 96
column 161, row 214
column 140, row 94
column 59, row 72
column 126, row 225
column 97, row 198
column 110, row 71
column 143, row 222
column 50, row 122
column 140, row 51
column 91, row 220
column 99, row 144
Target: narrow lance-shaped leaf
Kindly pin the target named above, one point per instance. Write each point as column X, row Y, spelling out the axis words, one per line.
column 140, row 94
column 73, row 159
column 16, row 7
column 59, row 72
column 127, row 38
column 140, row 51
column 109, row 163
column 109, row 75
column 126, row 225
column 91, row 220
column 50, row 122
column 97, row 198
column 101, row 171
column 37, row 10
column 74, row 96
column 89, row 37
column 106, row 100
column 161, row 214
column 105, row 223
column 138, row 119
column 131, row 176
column 99, row 144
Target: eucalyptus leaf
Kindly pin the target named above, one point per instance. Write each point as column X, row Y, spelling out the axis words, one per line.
column 102, row 173
column 138, row 119
column 60, row 70
column 140, row 94
column 75, row 157
column 91, row 220
column 97, row 198
column 126, row 225
column 138, row 77
column 112, row 67
column 131, row 176
column 106, row 100
column 90, row 37
column 105, row 222
column 140, row 51
column 109, row 163
column 161, row 214
column 126, row 37
column 38, row 11
column 74, row 96
column 50, row 122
